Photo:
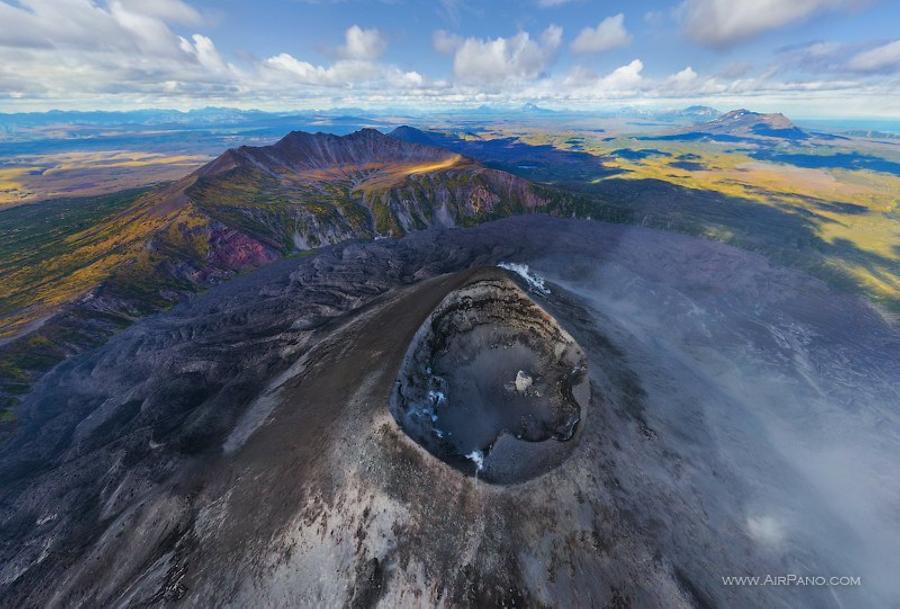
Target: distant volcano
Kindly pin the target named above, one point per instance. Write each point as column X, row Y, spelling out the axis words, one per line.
column 744, row 123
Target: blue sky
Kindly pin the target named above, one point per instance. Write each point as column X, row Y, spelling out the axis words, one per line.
column 807, row 57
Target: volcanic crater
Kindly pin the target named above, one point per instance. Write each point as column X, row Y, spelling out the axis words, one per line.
column 491, row 384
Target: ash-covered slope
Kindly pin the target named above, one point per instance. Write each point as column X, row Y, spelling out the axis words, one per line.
column 239, row 451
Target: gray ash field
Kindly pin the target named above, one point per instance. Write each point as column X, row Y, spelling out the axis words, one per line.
column 736, row 418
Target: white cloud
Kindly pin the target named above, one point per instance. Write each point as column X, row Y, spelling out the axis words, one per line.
column 121, row 53
column 723, row 23
column 856, row 60
column 581, row 82
column 609, row 34
column 366, row 45
column 347, row 73
column 83, row 24
column 72, row 50
column 625, row 78
column 174, row 11
column 584, row 87
column 503, row 59
column 683, row 80
column 358, row 68
column 445, row 42
column 880, row 59
column 552, row 37
column 814, row 58
column 79, row 48
column 819, row 50
column 305, row 72
column 205, row 52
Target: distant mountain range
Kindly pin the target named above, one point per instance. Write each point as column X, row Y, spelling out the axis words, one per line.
column 231, row 117
column 690, row 114
column 160, row 116
column 695, row 114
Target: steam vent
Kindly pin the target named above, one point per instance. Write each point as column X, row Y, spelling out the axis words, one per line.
column 492, row 385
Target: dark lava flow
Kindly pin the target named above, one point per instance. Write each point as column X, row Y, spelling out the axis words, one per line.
column 491, row 384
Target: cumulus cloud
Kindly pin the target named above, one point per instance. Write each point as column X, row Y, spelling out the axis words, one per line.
column 609, row 34
column 581, row 86
column 815, row 58
column 84, row 50
column 173, row 11
column 90, row 53
column 841, row 59
column 723, row 23
column 584, row 83
column 683, row 80
column 304, row 72
column 345, row 73
column 519, row 57
column 357, row 68
column 885, row 58
column 365, row 45
column 204, row 51
column 80, row 48
column 445, row 42
column 624, row 78
column 83, row 24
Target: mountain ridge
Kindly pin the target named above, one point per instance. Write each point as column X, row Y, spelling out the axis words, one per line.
column 304, row 150
column 247, row 208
